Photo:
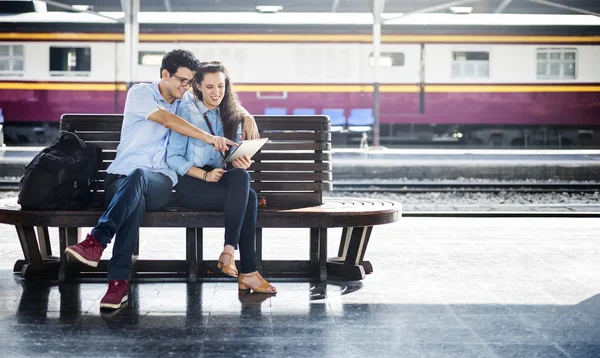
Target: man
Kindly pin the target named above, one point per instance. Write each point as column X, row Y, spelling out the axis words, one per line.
column 139, row 179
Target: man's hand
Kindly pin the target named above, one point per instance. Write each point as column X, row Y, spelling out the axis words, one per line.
column 221, row 143
column 215, row 175
column 249, row 129
column 242, row 162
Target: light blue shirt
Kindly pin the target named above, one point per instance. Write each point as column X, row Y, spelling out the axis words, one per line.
column 184, row 152
column 143, row 141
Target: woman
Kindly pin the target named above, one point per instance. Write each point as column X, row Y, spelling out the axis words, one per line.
column 204, row 184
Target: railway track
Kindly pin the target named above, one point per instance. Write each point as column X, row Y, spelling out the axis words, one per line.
column 425, row 187
column 580, row 211
column 9, row 185
column 491, row 187
column 502, row 214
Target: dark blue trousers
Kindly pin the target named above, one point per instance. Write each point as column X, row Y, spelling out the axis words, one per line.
column 232, row 195
column 127, row 198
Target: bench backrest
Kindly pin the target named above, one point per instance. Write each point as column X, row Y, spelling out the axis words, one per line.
column 292, row 169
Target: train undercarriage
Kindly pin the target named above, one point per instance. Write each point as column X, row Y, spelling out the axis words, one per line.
column 478, row 136
column 397, row 135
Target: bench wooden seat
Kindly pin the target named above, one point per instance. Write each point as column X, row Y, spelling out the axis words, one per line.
column 292, row 171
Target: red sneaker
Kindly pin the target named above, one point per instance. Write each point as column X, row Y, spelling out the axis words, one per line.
column 89, row 251
column 115, row 295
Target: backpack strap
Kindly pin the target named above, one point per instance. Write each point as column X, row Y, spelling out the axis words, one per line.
column 79, row 140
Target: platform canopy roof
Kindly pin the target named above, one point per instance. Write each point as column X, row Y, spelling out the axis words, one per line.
column 391, row 6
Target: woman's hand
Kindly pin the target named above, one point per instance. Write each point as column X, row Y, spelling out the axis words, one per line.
column 215, row 175
column 221, row 143
column 242, row 162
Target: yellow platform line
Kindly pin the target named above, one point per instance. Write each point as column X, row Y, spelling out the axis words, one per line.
column 360, row 38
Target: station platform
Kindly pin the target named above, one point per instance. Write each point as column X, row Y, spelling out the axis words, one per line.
column 441, row 287
column 420, row 164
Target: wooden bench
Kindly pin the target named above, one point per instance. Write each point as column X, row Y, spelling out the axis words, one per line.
column 292, row 171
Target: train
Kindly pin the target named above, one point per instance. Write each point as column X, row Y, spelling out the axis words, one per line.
column 485, row 80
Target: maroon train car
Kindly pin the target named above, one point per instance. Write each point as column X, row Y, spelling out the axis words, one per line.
column 482, row 79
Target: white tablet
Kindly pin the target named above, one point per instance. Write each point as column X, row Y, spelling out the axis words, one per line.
column 247, row 147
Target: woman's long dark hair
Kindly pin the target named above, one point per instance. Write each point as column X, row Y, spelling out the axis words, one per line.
column 230, row 112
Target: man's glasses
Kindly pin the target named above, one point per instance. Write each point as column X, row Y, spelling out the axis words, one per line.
column 182, row 81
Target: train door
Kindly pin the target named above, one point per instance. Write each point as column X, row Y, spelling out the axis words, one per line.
column 402, row 97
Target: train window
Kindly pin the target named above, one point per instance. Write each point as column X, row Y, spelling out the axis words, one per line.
column 150, row 58
column 70, row 61
column 556, row 63
column 388, row 59
column 11, row 60
column 470, row 64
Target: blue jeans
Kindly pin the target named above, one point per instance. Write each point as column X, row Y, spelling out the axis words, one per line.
column 232, row 195
column 128, row 198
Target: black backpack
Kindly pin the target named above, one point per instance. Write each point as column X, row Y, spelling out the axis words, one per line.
column 62, row 176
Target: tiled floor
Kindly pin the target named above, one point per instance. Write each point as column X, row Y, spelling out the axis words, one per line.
column 441, row 288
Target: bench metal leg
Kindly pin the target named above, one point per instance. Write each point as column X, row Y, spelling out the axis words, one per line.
column 350, row 262
column 44, row 240
column 36, row 263
column 29, row 244
column 194, row 252
column 194, row 303
column 200, row 267
column 67, row 236
column 258, row 247
column 366, row 264
column 134, row 259
column 344, row 241
column 318, row 253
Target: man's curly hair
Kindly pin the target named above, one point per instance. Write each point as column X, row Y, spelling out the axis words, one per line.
column 178, row 58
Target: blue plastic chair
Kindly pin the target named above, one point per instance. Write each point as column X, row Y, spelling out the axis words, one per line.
column 361, row 117
column 275, row 111
column 337, row 118
column 304, row 111
column 361, row 120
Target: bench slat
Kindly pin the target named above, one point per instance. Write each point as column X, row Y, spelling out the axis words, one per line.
column 300, row 167
column 267, row 120
column 94, row 137
column 112, row 122
column 114, row 136
column 291, row 156
column 295, row 136
column 274, row 166
column 295, row 124
column 291, row 186
column 273, row 176
column 95, row 123
column 109, row 155
column 106, row 146
column 291, row 176
column 110, row 141
column 338, row 212
column 105, row 164
column 275, row 199
column 296, row 146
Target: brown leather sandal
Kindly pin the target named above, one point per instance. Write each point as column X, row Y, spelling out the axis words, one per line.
column 263, row 287
column 229, row 269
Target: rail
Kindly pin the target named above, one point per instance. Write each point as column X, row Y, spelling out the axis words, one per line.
column 445, row 187
column 433, row 187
